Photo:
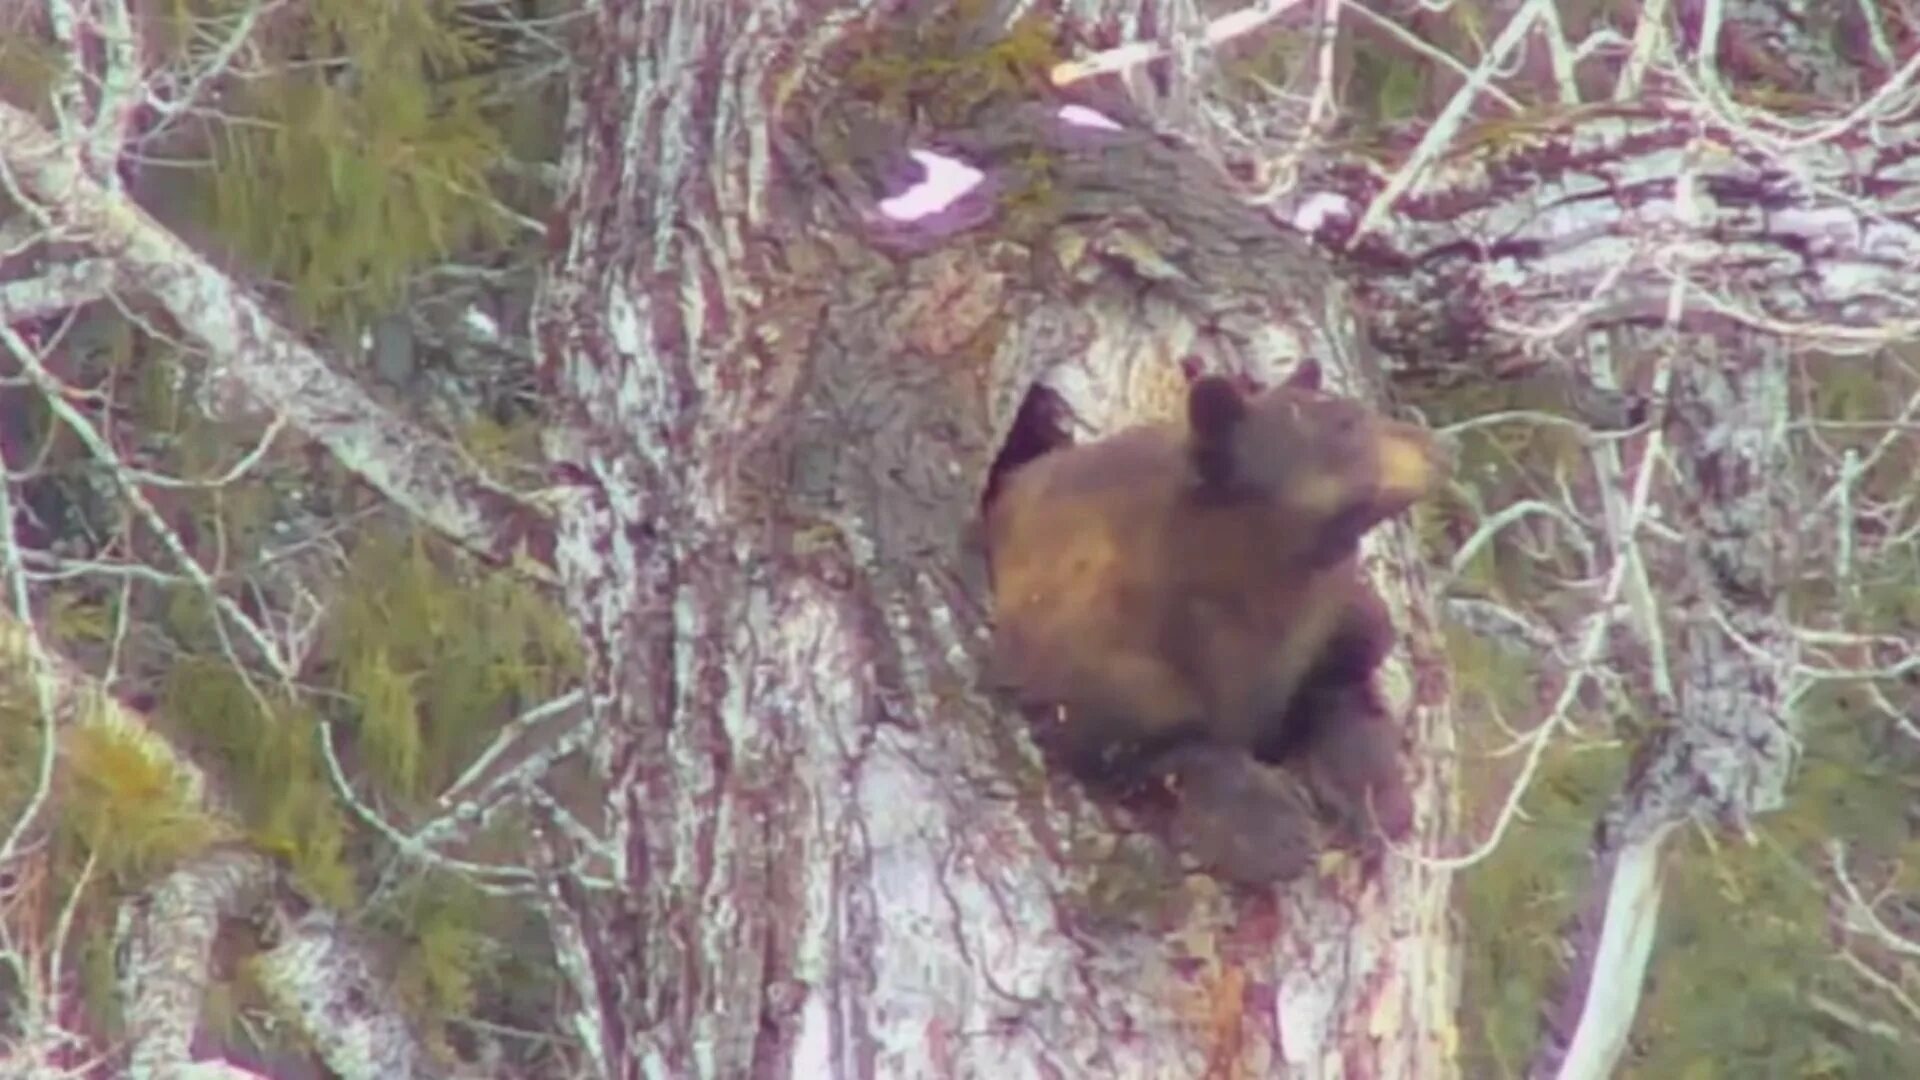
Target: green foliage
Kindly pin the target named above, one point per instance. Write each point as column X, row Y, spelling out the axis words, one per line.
column 1744, row 952
column 1857, row 779
column 159, row 406
column 356, row 171
column 1518, row 901
column 948, row 68
column 267, row 755
column 442, row 965
column 1470, row 20
column 446, row 924
column 464, row 948
column 500, row 449
column 1489, row 680
column 1397, row 86
column 100, row 981
column 75, row 616
column 389, row 720
column 306, row 827
column 119, row 815
column 28, row 66
column 1745, row 980
column 1859, row 393
column 1383, row 85
column 356, row 151
column 20, row 744
column 436, row 659
column 1272, row 60
column 1723, row 987
column 1849, row 392
column 187, row 616
column 1496, row 466
column 126, row 804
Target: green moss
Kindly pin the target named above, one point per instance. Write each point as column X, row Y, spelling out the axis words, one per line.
column 1135, row 882
column 1033, row 202
column 951, row 66
column 126, row 804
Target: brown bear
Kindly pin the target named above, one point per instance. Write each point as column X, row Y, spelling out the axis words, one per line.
column 1247, row 822
column 1174, row 583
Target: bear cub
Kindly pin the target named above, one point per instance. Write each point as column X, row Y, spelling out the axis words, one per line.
column 1174, row 585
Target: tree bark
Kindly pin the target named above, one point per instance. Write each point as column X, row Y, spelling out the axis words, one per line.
column 779, row 401
column 782, row 405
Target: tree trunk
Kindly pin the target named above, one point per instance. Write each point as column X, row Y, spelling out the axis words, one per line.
column 782, row 407
column 779, row 392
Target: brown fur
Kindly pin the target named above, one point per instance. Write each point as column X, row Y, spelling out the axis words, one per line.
column 1189, row 581
column 1246, row 822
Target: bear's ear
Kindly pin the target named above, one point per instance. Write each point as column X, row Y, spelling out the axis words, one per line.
column 1214, row 411
column 1214, row 406
column 1306, row 375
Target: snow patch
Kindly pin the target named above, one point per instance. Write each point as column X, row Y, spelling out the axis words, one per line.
column 1081, row 116
column 947, row 179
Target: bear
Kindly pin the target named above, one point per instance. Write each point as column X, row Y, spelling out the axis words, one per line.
column 1245, row 822
column 1198, row 582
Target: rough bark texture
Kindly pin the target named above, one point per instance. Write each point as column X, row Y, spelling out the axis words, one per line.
column 788, row 402
column 780, row 405
column 1561, row 243
column 841, row 859
column 338, row 986
column 1718, row 650
column 1588, row 219
column 166, row 938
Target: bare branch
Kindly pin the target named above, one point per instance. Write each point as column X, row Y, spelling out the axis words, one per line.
column 1446, row 126
column 62, row 286
column 339, row 986
column 420, row 472
column 167, row 937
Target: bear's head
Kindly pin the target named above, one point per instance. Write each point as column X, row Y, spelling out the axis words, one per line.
column 1326, row 466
